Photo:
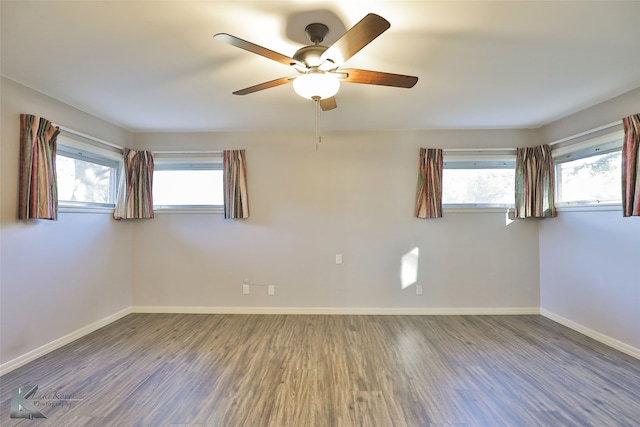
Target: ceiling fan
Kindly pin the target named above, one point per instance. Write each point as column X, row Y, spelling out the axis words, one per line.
column 319, row 66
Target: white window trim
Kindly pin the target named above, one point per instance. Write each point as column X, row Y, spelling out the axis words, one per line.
column 184, row 209
column 481, row 158
column 594, row 146
column 476, row 209
column 85, row 208
column 583, row 207
column 166, row 160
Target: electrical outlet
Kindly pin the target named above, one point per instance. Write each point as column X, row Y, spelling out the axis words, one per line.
column 338, row 258
column 418, row 289
column 245, row 289
column 271, row 290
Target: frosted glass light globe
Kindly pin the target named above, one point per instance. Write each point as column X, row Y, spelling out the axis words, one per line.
column 314, row 85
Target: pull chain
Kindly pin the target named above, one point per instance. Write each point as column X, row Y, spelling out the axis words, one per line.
column 318, row 137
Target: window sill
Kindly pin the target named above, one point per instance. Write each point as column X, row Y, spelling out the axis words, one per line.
column 188, row 210
column 477, row 209
column 589, row 207
column 85, row 209
column 157, row 210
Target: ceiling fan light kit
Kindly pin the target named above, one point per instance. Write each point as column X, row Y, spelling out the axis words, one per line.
column 316, row 85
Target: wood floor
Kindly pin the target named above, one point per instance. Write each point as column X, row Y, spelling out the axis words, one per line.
column 314, row 370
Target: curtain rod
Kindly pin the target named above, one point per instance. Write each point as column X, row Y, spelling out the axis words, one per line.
column 488, row 150
column 116, row 146
column 587, row 132
column 187, row 152
column 89, row 137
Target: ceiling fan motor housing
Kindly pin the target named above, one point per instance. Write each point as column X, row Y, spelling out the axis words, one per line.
column 310, row 55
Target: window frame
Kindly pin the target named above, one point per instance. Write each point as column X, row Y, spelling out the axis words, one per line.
column 478, row 159
column 96, row 153
column 188, row 161
column 589, row 146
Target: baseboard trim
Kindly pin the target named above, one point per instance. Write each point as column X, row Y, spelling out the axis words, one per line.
column 62, row 341
column 607, row 340
column 338, row 311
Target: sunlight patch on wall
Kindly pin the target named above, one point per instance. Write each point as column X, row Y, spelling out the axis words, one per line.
column 409, row 268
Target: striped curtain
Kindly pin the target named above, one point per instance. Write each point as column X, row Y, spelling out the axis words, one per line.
column 135, row 198
column 38, row 192
column 631, row 166
column 535, row 183
column 236, row 197
column 429, row 194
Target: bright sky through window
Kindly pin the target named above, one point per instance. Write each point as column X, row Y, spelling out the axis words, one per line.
column 479, row 186
column 594, row 179
column 200, row 187
column 84, row 181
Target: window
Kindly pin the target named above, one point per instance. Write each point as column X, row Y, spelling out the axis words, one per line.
column 480, row 180
column 190, row 181
column 588, row 173
column 87, row 174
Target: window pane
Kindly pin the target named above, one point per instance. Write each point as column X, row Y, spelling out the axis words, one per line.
column 187, row 187
column 84, row 181
column 592, row 179
column 478, row 186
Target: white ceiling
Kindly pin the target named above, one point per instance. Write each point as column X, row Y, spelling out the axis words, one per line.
column 154, row 66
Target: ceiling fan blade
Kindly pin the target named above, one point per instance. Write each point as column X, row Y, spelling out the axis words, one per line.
column 252, row 47
column 265, row 85
column 360, row 35
column 378, row 78
column 328, row 103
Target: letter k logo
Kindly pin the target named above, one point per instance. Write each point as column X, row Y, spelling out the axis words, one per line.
column 21, row 407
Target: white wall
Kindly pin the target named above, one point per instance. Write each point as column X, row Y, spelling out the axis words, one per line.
column 589, row 272
column 355, row 197
column 56, row 277
column 589, row 260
